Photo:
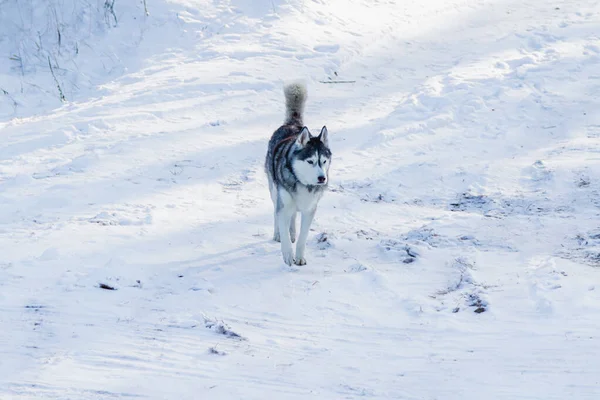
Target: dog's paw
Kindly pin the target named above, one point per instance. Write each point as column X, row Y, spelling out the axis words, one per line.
column 288, row 257
column 276, row 237
column 301, row 261
column 293, row 238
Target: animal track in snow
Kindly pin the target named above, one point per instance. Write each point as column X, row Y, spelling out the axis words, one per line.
column 129, row 214
column 583, row 247
column 463, row 290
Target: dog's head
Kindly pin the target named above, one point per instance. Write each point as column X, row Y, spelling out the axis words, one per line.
column 312, row 158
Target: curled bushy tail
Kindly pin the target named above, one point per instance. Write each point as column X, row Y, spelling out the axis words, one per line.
column 295, row 98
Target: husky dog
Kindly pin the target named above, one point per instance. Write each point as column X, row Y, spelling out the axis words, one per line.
column 297, row 165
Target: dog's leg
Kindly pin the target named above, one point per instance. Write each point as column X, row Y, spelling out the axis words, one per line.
column 276, row 236
column 286, row 207
column 307, row 218
column 273, row 192
column 287, row 251
column 293, row 228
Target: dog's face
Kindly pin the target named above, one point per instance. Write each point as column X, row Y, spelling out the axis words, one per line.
column 311, row 163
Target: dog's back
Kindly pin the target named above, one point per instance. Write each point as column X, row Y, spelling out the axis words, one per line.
column 283, row 138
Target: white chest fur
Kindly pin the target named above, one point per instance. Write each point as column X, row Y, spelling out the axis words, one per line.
column 302, row 199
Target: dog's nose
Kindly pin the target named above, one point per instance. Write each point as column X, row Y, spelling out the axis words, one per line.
column 322, row 179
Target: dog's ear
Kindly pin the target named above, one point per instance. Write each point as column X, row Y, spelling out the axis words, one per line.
column 324, row 136
column 303, row 137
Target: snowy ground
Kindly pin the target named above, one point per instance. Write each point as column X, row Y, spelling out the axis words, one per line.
column 456, row 256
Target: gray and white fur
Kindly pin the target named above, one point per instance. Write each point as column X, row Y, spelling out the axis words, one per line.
column 297, row 166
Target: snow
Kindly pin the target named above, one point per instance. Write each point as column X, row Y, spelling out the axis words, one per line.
column 455, row 257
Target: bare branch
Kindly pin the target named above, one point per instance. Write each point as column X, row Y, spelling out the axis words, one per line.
column 60, row 92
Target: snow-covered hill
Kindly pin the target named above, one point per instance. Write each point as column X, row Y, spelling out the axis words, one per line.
column 456, row 256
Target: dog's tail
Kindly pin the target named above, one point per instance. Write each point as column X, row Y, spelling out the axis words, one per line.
column 295, row 98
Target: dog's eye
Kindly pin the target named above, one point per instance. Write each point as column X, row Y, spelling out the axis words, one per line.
column 311, row 162
column 325, row 162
